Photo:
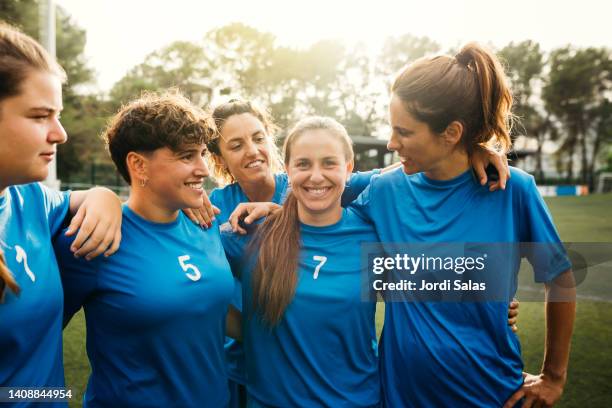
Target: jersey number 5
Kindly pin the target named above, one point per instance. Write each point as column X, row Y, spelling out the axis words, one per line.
column 191, row 271
column 321, row 260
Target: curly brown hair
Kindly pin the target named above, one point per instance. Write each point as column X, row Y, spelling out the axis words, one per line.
column 154, row 121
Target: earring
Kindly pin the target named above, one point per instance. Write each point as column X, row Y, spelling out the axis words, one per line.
column 143, row 182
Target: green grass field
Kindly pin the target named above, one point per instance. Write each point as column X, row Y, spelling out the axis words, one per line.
column 579, row 219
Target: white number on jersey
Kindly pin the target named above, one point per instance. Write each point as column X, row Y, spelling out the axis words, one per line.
column 322, row 260
column 191, row 271
column 22, row 256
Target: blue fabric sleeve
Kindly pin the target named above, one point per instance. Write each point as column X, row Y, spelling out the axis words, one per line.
column 235, row 246
column 79, row 276
column 356, row 184
column 57, row 205
column 545, row 251
column 214, row 197
column 362, row 205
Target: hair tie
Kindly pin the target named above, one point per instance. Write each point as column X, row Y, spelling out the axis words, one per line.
column 463, row 59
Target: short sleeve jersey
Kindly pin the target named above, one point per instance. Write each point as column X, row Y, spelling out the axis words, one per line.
column 31, row 323
column 323, row 352
column 226, row 199
column 155, row 314
column 445, row 353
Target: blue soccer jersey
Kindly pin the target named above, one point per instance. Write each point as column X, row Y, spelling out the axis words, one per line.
column 155, row 314
column 444, row 353
column 323, row 352
column 355, row 185
column 227, row 199
column 31, row 323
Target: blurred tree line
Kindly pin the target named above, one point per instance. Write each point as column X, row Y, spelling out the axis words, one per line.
column 564, row 95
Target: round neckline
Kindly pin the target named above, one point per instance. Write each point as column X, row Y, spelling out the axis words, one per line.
column 314, row 228
column 461, row 178
column 157, row 225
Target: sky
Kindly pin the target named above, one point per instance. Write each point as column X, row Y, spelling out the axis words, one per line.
column 120, row 33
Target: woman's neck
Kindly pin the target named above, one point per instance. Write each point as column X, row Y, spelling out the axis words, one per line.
column 149, row 209
column 259, row 191
column 450, row 167
column 319, row 219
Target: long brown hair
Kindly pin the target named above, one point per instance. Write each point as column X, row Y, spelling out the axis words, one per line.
column 278, row 238
column 471, row 88
column 6, row 278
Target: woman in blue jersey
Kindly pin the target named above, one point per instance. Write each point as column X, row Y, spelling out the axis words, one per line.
column 309, row 331
column 246, row 162
column 155, row 311
column 31, row 296
column 248, row 167
column 309, row 337
column 460, row 354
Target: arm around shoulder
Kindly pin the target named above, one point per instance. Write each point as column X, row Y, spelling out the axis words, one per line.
column 97, row 217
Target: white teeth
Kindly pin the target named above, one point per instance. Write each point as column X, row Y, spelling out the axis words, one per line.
column 317, row 191
column 196, row 186
column 255, row 163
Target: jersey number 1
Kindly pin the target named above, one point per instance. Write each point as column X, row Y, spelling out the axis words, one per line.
column 321, row 260
column 22, row 256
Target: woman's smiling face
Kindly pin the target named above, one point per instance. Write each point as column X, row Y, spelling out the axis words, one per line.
column 318, row 170
column 244, row 147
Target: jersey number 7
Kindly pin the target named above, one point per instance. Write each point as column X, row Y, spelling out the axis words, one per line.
column 321, row 260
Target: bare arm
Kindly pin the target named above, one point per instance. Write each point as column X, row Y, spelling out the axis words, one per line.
column 205, row 215
column 481, row 158
column 390, row 167
column 233, row 323
column 96, row 215
column 546, row 388
column 513, row 312
column 250, row 212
